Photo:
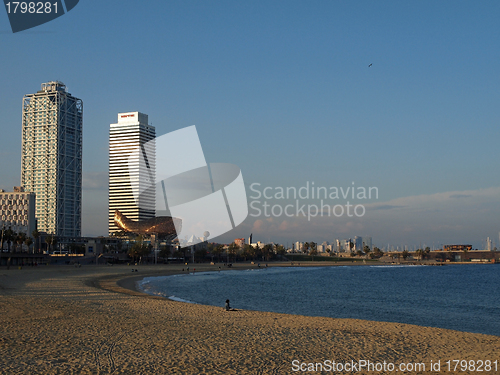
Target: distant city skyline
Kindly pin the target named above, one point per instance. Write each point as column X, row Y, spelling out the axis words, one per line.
column 285, row 91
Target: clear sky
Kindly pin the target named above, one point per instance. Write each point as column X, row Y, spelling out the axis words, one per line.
column 284, row 90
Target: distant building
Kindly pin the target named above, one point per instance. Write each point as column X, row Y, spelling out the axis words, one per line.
column 240, row 242
column 358, row 243
column 51, row 158
column 489, row 244
column 258, row 245
column 457, row 247
column 367, row 241
column 131, row 131
column 343, row 246
column 298, row 246
column 17, row 210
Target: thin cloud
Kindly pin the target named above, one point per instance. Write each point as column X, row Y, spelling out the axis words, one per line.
column 458, row 196
column 95, row 181
column 386, row 206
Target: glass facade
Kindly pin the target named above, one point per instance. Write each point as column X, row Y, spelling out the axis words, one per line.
column 51, row 162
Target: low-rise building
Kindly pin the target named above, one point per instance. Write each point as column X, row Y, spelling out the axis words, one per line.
column 457, row 247
column 17, row 210
column 240, row 242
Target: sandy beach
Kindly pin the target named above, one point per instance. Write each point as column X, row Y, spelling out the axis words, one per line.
column 91, row 320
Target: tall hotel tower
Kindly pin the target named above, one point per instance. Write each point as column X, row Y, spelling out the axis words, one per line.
column 51, row 161
column 127, row 176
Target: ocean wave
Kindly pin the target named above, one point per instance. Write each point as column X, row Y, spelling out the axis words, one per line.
column 177, row 299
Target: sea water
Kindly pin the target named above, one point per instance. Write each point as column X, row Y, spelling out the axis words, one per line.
column 459, row 297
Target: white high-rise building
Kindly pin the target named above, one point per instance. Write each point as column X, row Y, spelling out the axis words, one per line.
column 489, row 244
column 51, row 161
column 127, row 178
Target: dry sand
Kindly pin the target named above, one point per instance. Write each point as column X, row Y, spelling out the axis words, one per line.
column 66, row 320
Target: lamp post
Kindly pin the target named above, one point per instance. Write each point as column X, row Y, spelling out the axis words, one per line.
column 1, row 247
column 155, row 247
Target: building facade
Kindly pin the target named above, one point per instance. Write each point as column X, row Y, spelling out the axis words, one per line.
column 51, row 161
column 457, row 247
column 17, row 211
column 298, row 246
column 358, row 243
column 130, row 179
column 240, row 242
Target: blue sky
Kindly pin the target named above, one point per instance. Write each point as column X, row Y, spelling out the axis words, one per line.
column 284, row 91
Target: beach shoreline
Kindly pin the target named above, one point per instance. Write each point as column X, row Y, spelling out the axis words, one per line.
column 93, row 320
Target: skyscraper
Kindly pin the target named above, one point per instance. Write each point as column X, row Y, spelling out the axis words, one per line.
column 367, row 241
column 127, row 175
column 51, row 161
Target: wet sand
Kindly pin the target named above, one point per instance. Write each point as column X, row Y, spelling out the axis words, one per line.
column 91, row 320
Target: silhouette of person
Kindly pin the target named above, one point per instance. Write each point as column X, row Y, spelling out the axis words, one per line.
column 228, row 307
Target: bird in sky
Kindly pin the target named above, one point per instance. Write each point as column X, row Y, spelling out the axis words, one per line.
column 370, row 65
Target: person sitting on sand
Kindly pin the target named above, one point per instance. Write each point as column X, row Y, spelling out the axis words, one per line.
column 229, row 308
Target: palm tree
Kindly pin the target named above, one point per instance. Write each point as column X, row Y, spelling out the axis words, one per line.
column 313, row 250
column 20, row 238
column 165, row 251
column 54, row 243
column 267, row 251
column 377, row 253
column 419, row 253
column 49, row 240
column 139, row 250
column 218, row 250
column 9, row 237
column 250, row 251
column 28, row 241
column 280, row 250
column 36, row 235
column 232, row 250
column 2, row 239
column 14, row 242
